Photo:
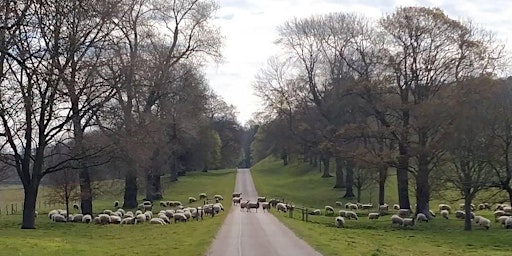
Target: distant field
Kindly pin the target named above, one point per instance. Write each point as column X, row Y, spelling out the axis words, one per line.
column 302, row 186
column 191, row 238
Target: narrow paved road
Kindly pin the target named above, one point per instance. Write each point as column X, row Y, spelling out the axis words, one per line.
column 245, row 234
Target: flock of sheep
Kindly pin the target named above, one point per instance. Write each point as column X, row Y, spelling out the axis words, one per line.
column 405, row 217
column 144, row 214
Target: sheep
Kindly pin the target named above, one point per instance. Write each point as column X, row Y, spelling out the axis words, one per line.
column 315, row 212
column 445, row 207
column 252, row 205
column 129, row 220
column 116, row 204
column 164, row 203
column 149, row 215
column 508, row 223
column 218, row 197
column 265, row 206
column 236, row 200
column 461, row 206
column 116, row 213
column 502, row 220
column 58, row 218
column 499, row 213
column 169, row 213
column 218, row 207
column 281, row 207
column 63, row 212
column 408, row 222
column 145, row 207
column 507, row 209
column 328, row 210
column 395, row 219
column 477, row 219
column 109, row 212
column 338, row 203
column 353, row 207
column 187, row 214
column 120, row 210
column 141, row 217
column 202, row 196
column 198, row 213
column 342, row 213
column 237, row 195
column 484, row 222
column 96, row 220
column 384, row 208
column 339, row 222
column 87, row 218
column 351, row 215
column 115, row 220
column 404, row 213
column 157, row 221
column 261, row 199
column 396, row 207
column 78, row 217
column 179, row 217
column 366, row 206
column 499, row 207
column 76, row 207
column 104, row 218
column 51, row 213
column 481, row 207
column 432, row 213
column 138, row 212
column 445, row 213
column 273, row 202
column 460, row 214
column 191, row 199
column 421, row 217
column 373, row 215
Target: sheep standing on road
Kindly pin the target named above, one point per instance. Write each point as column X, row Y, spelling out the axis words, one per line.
column 251, row 205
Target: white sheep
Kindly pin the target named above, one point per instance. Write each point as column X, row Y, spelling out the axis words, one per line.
column 460, row 214
column 484, row 222
column 141, row 218
column 157, row 221
column 109, row 212
column 408, row 222
column 191, row 199
column 373, row 215
column 366, row 206
column 179, row 217
column 395, row 219
column 265, row 206
column 164, row 203
column 421, row 217
column 116, row 204
column 202, row 196
column 445, row 213
column 169, row 213
column 104, row 218
column 120, row 210
column 261, row 199
column 236, row 200
column 329, row 210
column 149, row 215
column 51, row 213
column 218, row 197
column 351, row 215
column 499, row 213
column 508, row 223
column 87, row 218
column 507, row 209
column 77, row 217
column 281, row 207
column 353, row 207
column 187, row 214
column 164, row 217
column 138, row 212
column 477, row 219
column 129, row 220
column 502, row 220
column 315, row 212
column 338, row 203
column 384, row 208
column 342, row 213
column 404, row 213
column 237, row 195
column 396, row 207
column 96, row 220
column 445, row 207
column 114, row 219
column 58, row 218
column 252, row 205
column 339, row 222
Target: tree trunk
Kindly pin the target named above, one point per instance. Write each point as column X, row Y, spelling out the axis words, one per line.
column 29, row 206
column 85, row 191
column 422, row 187
column 509, row 191
column 402, row 176
column 153, row 187
column 326, row 173
column 349, row 192
column 467, row 208
column 358, row 193
column 340, row 182
column 130, row 190
column 383, row 175
column 315, row 161
column 285, row 159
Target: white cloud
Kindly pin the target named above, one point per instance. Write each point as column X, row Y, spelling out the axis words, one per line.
column 249, row 27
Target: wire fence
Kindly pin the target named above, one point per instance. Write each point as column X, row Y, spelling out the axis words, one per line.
column 17, row 208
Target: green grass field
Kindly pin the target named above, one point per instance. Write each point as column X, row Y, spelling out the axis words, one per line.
column 300, row 185
column 192, row 238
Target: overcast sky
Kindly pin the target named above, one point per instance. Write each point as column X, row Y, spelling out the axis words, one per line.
column 249, row 28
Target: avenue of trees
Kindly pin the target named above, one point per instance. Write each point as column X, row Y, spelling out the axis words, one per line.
column 112, row 89
column 415, row 91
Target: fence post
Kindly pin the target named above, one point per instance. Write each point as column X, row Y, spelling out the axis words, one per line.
column 12, row 209
column 307, row 215
column 302, row 210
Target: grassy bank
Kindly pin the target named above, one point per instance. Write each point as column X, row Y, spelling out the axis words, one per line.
column 302, row 186
column 192, row 238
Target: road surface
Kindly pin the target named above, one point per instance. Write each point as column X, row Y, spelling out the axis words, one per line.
column 247, row 234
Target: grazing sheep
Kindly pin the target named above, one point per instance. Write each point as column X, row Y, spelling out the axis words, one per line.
column 141, row 218
column 237, row 195
column 76, row 206
column 115, row 219
column 78, row 217
column 477, row 219
column 508, row 223
column 481, row 207
column 338, row 203
column 499, row 213
column 265, row 206
column 507, row 209
column 187, row 214
column 164, row 203
column 157, row 221
column 261, row 199
column 104, row 218
column 484, row 222
column 460, row 214
column 328, row 210
column 315, row 212
column 351, row 215
column 461, row 206
column 58, row 218
column 404, row 213
column 51, row 213
column 129, row 220
column 123, row 212
column 116, row 204
column 191, row 199
column 236, row 200
column 353, row 207
column 281, row 207
column 117, row 214
column 179, row 217
column 109, row 212
column 445, row 207
column 445, row 213
column 396, row 207
column 499, row 207
column 395, row 219
column 273, row 202
column 339, row 222
column 87, row 218
column 408, row 222
column 96, row 220
column 432, row 213
column 373, row 215
column 421, row 217
column 342, row 213
column 252, row 205
column 366, row 206
column 145, row 207
column 218, row 197
column 502, row 220
column 202, row 196
column 384, row 208
column 149, row 215
column 138, row 212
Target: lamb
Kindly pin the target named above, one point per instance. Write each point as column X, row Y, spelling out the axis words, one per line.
column 281, row 207
column 421, row 217
column 191, row 199
column 261, row 199
column 395, row 219
column 445, row 213
column 265, row 206
column 329, row 210
column 236, row 200
column 87, row 218
column 373, row 215
column 484, row 222
column 351, row 215
column 115, row 219
column 445, row 207
column 179, row 217
column 237, row 195
column 251, row 205
column 202, row 196
column 408, row 222
column 58, row 218
column 104, row 218
column 129, row 220
column 339, row 222
column 157, row 221
column 338, row 203
column 218, row 197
